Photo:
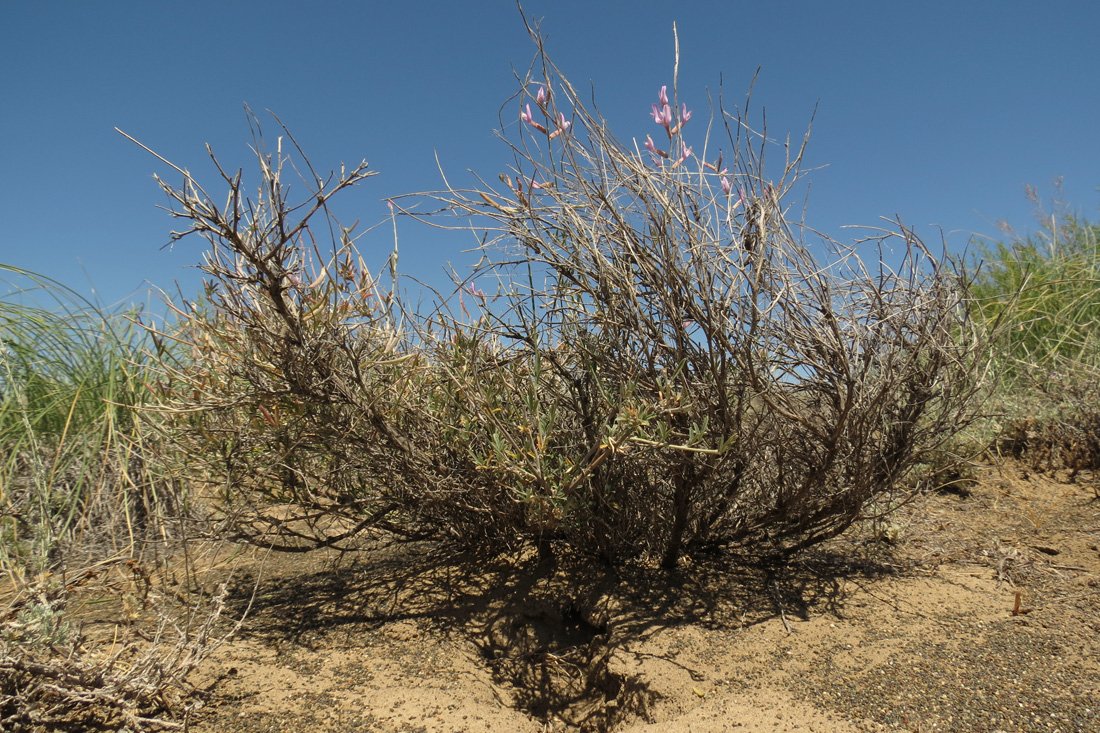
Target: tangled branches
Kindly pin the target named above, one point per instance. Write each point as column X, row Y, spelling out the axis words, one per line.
column 666, row 367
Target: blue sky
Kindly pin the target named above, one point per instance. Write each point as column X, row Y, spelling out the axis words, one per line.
column 937, row 112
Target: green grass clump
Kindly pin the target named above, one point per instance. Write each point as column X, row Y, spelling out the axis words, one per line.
column 83, row 488
column 1042, row 294
column 72, row 455
column 1045, row 289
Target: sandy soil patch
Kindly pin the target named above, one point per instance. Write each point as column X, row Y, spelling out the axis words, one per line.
column 921, row 633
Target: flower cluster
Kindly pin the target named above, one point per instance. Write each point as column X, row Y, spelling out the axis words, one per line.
column 544, row 119
column 662, row 113
column 542, row 101
column 663, row 116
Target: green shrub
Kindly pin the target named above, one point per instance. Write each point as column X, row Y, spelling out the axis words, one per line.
column 1042, row 293
column 1045, row 289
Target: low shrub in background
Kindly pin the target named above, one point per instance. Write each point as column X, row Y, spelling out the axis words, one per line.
column 1044, row 286
column 1044, row 293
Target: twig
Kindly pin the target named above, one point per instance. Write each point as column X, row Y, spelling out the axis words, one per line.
column 774, row 585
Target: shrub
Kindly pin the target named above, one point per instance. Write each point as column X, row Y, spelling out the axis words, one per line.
column 665, row 367
column 1043, row 291
column 294, row 397
column 698, row 375
column 1045, row 288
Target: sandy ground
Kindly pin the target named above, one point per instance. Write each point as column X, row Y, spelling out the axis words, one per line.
column 914, row 627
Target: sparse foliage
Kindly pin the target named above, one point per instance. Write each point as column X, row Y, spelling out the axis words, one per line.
column 692, row 373
column 665, row 367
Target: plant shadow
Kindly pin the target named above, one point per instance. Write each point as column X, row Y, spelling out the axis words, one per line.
column 550, row 628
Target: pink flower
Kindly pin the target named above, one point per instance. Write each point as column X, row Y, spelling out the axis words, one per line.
column 726, row 185
column 562, row 124
column 652, row 147
column 662, row 96
column 527, row 117
column 686, row 154
column 685, row 115
column 662, row 115
column 542, row 97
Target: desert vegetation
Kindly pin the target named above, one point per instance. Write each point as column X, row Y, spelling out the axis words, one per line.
column 654, row 362
column 1043, row 289
column 85, row 499
column 663, row 364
